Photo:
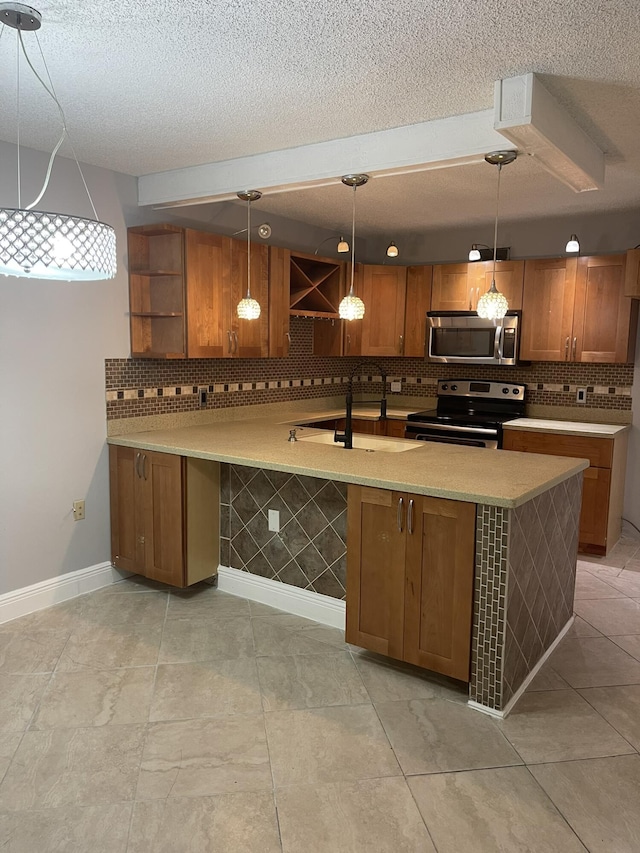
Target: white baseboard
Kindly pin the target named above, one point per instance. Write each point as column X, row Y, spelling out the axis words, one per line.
column 492, row 712
column 19, row 602
column 292, row 599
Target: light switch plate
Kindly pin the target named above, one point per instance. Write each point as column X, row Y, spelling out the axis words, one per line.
column 274, row 520
column 396, row 386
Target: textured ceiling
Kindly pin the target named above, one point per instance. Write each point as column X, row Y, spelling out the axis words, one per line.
column 158, row 84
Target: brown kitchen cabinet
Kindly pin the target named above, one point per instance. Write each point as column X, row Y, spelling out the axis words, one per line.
column 632, row 274
column 458, row 287
column 417, row 303
column 410, row 570
column 164, row 515
column 184, row 288
column 603, row 483
column 279, row 290
column 574, row 309
column 383, row 291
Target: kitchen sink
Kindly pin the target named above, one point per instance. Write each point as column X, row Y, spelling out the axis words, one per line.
column 365, row 442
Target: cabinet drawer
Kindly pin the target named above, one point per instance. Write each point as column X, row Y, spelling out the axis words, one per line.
column 599, row 451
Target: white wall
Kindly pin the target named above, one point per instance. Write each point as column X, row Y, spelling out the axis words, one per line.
column 54, row 337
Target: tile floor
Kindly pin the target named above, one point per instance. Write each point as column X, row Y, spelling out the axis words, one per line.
column 142, row 720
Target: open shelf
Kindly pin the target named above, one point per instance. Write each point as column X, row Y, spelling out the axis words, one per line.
column 316, row 286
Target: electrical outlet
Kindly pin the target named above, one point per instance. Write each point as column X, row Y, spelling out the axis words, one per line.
column 274, row 520
column 396, row 386
column 78, row 510
column 581, row 395
column 203, row 397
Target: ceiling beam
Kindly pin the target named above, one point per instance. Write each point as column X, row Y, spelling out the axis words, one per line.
column 414, row 148
column 528, row 115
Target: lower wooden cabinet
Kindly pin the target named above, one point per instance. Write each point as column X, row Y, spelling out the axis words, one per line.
column 602, row 486
column 164, row 515
column 410, row 569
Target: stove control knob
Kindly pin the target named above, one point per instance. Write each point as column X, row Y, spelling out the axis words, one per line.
column 454, row 387
column 505, row 390
column 515, row 391
column 445, row 387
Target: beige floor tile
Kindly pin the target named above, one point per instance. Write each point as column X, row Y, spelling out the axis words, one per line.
column 228, row 823
column 594, row 662
column 83, row 767
column 19, row 697
column 205, row 601
column 197, row 758
column 259, row 609
column 60, row 617
column 388, row 683
column 597, row 567
column 559, row 725
column 134, row 583
column 630, row 643
column 547, row 679
column 146, row 608
column 431, row 736
column 31, row 651
column 98, row 829
column 111, row 647
column 309, row 681
column 185, row 640
column 293, row 635
column 373, row 816
column 620, row 706
column 328, row 745
column 599, row 798
column 611, row 616
column 627, row 582
column 107, row 697
column 580, row 628
column 8, row 745
column 588, row 586
column 485, row 811
column 206, row 689
column 632, row 566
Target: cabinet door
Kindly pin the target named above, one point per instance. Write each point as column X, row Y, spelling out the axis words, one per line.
column 208, row 276
column 383, row 293
column 375, row 569
column 547, row 309
column 509, row 279
column 250, row 337
column 418, row 302
column 602, row 315
column 279, row 287
column 595, row 510
column 452, row 289
column 439, row 585
column 163, row 502
column 127, row 552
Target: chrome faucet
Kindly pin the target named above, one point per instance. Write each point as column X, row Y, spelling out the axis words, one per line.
column 346, row 437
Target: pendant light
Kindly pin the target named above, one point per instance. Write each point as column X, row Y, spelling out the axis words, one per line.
column 392, row 250
column 474, row 252
column 37, row 243
column 343, row 246
column 352, row 307
column 573, row 246
column 249, row 308
column 493, row 305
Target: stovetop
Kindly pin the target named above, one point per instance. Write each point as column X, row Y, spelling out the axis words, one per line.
column 467, row 418
column 471, row 402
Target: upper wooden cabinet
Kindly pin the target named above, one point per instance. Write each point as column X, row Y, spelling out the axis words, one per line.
column 384, row 291
column 410, row 575
column 279, row 290
column 632, row 274
column 418, row 302
column 574, row 309
column 458, row 287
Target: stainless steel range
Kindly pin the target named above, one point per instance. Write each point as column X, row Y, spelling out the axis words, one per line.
column 468, row 412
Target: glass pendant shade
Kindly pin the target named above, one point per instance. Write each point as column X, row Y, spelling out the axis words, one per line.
column 343, row 246
column 351, row 308
column 492, row 305
column 573, row 245
column 392, row 250
column 248, row 309
column 474, row 253
column 37, row 244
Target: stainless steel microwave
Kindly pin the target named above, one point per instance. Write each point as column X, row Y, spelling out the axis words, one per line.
column 461, row 337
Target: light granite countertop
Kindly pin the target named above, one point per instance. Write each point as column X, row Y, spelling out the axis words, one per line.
column 499, row 478
column 567, row 427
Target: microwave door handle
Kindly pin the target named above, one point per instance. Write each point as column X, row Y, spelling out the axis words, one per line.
column 497, row 347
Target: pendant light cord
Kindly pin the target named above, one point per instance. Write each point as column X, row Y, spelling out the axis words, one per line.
column 248, row 248
column 495, row 230
column 353, row 241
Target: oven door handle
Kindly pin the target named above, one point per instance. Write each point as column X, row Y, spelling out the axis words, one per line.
column 452, row 428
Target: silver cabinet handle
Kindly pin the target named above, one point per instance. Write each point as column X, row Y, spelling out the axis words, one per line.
column 410, row 517
column 575, row 343
column 138, row 455
column 235, row 342
column 144, row 465
column 470, row 299
column 348, row 343
column 230, row 347
column 401, row 344
column 566, row 349
column 288, row 337
column 399, row 514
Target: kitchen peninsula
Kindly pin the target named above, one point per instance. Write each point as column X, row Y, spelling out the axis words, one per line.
column 521, row 514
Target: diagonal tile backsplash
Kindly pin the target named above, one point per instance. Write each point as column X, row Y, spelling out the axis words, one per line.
column 309, row 550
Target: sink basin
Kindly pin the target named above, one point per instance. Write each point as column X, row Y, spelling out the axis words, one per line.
column 365, row 442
